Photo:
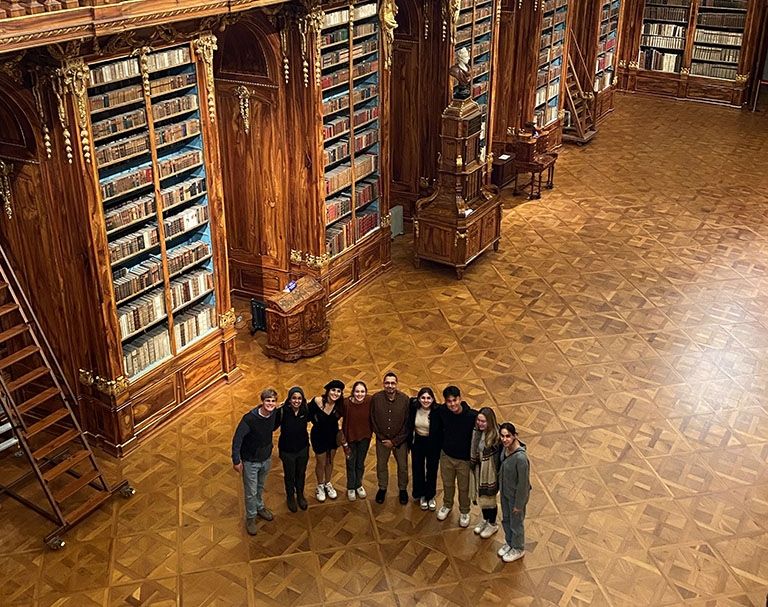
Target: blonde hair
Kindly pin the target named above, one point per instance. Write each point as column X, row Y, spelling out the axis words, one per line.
column 492, row 437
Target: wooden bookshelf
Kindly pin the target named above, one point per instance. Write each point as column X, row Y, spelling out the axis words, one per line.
column 531, row 85
column 694, row 49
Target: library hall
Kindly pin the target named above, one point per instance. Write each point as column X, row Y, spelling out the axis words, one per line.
column 384, row 303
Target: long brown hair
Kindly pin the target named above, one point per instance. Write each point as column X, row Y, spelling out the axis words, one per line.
column 492, row 437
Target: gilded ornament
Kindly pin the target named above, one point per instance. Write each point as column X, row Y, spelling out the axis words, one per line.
column 244, row 96
column 143, row 54
column 227, row 319
column 415, row 228
column 425, row 12
column 76, row 77
column 459, row 236
column 111, row 387
column 386, row 220
column 296, row 256
column 284, row 51
column 58, row 90
column 85, row 377
column 6, row 195
column 37, row 95
column 204, row 47
column 450, row 11
column 388, row 21
column 742, row 77
column 11, row 67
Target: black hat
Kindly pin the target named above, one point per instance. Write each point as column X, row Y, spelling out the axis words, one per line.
column 334, row 383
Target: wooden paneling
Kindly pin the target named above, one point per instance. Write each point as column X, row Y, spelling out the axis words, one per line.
column 153, row 402
column 203, row 371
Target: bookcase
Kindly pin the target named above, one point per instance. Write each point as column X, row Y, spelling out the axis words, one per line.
column 534, row 54
column 140, row 177
column 696, row 49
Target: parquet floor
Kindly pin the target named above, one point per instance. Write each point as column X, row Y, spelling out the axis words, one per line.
column 623, row 326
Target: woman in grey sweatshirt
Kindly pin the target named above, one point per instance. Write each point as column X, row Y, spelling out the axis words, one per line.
column 514, row 488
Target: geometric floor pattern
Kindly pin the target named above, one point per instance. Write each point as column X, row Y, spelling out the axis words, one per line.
column 622, row 326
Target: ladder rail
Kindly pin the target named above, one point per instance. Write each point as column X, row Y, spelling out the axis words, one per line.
column 27, row 313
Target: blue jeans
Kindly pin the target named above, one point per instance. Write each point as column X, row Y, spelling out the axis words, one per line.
column 514, row 527
column 254, row 476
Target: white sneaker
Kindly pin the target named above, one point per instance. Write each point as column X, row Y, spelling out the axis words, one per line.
column 330, row 491
column 361, row 492
column 504, row 549
column 320, row 493
column 464, row 520
column 442, row 514
column 480, row 526
column 432, row 504
column 351, row 495
column 423, row 503
column 513, row 555
column 489, row 531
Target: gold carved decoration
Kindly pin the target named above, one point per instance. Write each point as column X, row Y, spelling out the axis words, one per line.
column 561, row 115
column 11, row 67
column 622, row 63
column 633, row 65
column 6, row 196
column 61, row 108
column 143, row 54
column 204, row 47
column 244, row 95
column 386, row 220
column 227, row 319
column 110, row 387
column 296, row 256
column 310, row 25
column 451, row 9
column 425, row 12
column 37, row 95
column 284, row 51
column 415, row 228
column 76, row 76
column 459, row 162
column 742, row 77
column 317, row 261
column 684, row 71
column 459, row 236
column 388, row 21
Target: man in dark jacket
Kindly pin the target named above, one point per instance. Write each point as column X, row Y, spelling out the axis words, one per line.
column 252, row 456
column 455, row 423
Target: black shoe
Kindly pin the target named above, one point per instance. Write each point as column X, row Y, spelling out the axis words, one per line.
column 380, row 495
column 403, row 497
column 302, row 501
column 292, row 503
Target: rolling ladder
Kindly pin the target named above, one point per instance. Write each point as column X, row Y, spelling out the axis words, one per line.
column 579, row 100
column 37, row 420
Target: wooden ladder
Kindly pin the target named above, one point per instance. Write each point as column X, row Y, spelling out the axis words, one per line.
column 37, row 419
column 578, row 101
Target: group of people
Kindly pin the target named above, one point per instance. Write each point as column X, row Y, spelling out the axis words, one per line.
column 485, row 460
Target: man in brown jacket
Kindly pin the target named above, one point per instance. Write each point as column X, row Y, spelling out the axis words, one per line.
column 389, row 421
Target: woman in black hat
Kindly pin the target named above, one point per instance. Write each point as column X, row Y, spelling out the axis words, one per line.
column 324, row 412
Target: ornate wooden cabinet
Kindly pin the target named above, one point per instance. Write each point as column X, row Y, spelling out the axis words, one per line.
column 462, row 218
column 533, row 51
column 593, row 50
column 133, row 157
column 426, row 41
column 692, row 49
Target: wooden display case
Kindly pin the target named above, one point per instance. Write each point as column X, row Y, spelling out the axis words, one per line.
column 690, row 49
column 133, row 158
column 462, row 218
column 531, row 85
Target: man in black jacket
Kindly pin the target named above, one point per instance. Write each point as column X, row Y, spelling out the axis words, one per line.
column 252, row 456
column 455, row 423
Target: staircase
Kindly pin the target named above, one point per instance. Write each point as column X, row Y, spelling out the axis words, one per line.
column 579, row 100
column 37, row 420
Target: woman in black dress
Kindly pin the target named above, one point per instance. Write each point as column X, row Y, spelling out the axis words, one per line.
column 324, row 412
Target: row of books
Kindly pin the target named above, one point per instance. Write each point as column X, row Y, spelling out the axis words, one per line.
column 366, row 221
column 364, row 48
column 176, row 194
column 660, row 61
column 196, row 322
column 102, row 129
column 683, row 3
column 336, row 102
column 129, row 212
column 146, row 350
column 339, row 236
column 607, row 45
column 736, row 4
column 365, row 29
column 189, row 287
column 168, row 58
column 722, row 38
column 604, row 62
column 171, row 107
column 183, row 255
column 667, row 13
column 337, row 126
column 168, row 84
column 341, row 177
column 188, row 219
column 732, row 20
column 336, row 151
column 141, row 313
column 186, row 159
column 334, row 78
column 334, row 37
column 665, row 30
column 129, row 281
column 665, row 42
column 338, row 206
column 365, row 68
column 710, row 53
column 366, row 191
column 710, row 70
column 336, row 18
column 366, row 138
column 365, row 114
column 122, row 69
column 122, row 148
column 119, row 184
column 140, row 240
column 603, row 80
column 177, row 130
column 335, row 57
column 365, row 11
column 122, row 96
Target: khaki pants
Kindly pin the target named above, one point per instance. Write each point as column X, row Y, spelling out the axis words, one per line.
column 454, row 471
column 382, row 465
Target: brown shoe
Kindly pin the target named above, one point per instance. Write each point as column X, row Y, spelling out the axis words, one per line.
column 302, row 501
column 266, row 514
column 250, row 526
